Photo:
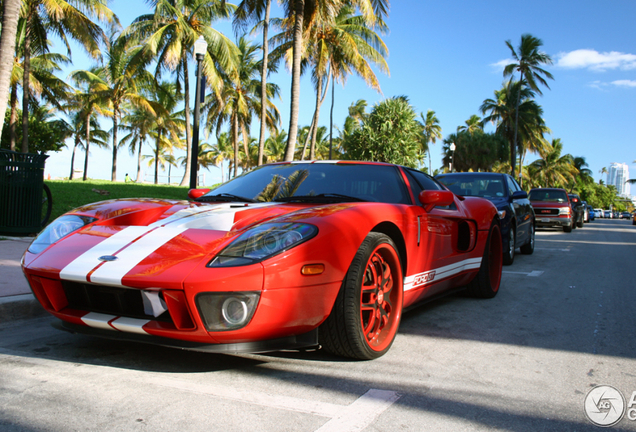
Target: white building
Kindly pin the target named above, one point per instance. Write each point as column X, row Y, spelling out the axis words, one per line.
column 617, row 175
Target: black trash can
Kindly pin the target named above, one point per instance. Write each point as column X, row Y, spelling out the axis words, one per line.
column 21, row 192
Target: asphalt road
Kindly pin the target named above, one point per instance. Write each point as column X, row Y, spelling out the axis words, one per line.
column 563, row 323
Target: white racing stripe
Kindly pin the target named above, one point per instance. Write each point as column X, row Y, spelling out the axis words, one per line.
column 113, row 322
column 134, row 243
column 435, row 275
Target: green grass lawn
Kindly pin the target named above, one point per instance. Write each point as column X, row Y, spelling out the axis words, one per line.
column 68, row 195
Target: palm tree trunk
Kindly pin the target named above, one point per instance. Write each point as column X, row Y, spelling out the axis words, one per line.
column 138, row 179
column 70, row 175
column 13, row 117
column 113, row 173
column 513, row 148
column 299, row 8
column 261, row 139
column 88, row 143
column 333, row 91
column 235, row 142
column 320, row 97
column 186, row 91
column 10, row 16
column 26, row 66
column 157, row 159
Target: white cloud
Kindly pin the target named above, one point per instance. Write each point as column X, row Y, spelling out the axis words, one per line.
column 624, row 83
column 591, row 59
column 501, row 64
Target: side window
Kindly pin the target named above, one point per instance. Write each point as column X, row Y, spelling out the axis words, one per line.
column 420, row 181
column 512, row 185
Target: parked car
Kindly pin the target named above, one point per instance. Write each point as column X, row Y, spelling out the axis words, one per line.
column 634, row 218
column 607, row 214
column 552, row 208
column 287, row 255
column 626, row 215
column 598, row 213
column 515, row 210
column 591, row 213
column 578, row 209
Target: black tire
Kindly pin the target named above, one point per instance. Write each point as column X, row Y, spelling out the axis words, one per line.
column 509, row 251
column 486, row 283
column 579, row 224
column 528, row 248
column 367, row 312
column 47, row 204
column 567, row 228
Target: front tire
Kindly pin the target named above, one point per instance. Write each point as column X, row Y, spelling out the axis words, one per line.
column 366, row 315
column 486, row 283
column 567, row 228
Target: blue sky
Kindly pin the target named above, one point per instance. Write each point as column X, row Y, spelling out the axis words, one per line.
column 448, row 56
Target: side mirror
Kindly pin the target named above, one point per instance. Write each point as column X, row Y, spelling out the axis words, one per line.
column 519, row 195
column 197, row 193
column 433, row 198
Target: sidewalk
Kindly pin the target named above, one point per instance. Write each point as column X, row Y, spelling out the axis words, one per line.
column 16, row 299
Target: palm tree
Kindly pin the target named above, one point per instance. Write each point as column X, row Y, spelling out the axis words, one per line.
column 10, row 16
column 98, row 136
column 87, row 101
column 373, row 12
column 222, row 151
column 275, row 146
column 239, row 100
column 471, row 125
column 552, row 169
column 431, row 131
column 167, row 36
column 528, row 59
column 42, row 17
column 504, row 112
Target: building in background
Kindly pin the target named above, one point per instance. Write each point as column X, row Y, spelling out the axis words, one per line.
column 617, row 175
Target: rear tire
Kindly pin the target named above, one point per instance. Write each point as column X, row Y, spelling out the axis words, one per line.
column 528, row 248
column 509, row 254
column 486, row 283
column 366, row 315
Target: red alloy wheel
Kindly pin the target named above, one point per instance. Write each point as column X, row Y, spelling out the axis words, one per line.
column 381, row 298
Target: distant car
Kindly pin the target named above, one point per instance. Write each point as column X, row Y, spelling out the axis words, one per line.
column 598, row 213
column 586, row 212
column 515, row 210
column 626, row 215
column 591, row 213
column 552, row 208
column 634, row 219
column 578, row 209
column 607, row 214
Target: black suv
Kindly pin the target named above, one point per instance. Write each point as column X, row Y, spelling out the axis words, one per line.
column 578, row 207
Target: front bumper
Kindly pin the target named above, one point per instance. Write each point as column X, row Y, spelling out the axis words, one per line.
column 553, row 221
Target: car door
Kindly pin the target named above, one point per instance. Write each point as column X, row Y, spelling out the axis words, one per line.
column 523, row 210
column 444, row 255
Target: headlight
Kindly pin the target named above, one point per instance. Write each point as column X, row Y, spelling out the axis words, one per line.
column 60, row 227
column 564, row 211
column 502, row 214
column 263, row 242
column 227, row 311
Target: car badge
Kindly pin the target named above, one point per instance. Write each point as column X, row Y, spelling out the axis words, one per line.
column 108, row 258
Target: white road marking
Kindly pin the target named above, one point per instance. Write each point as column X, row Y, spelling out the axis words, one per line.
column 362, row 412
column 533, row 273
column 553, row 249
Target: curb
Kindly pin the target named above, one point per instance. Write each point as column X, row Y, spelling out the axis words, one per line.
column 20, row 307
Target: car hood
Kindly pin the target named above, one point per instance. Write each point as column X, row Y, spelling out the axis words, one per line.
column 143, row 242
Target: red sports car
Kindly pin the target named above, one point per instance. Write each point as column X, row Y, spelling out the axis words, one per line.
column 286, row 256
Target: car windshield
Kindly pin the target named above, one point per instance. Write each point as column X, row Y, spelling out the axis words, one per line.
column 549, row 196
column 486, row 186
column 315, row 182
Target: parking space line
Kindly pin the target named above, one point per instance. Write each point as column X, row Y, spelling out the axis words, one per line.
column 533, row 273
column 362, row 412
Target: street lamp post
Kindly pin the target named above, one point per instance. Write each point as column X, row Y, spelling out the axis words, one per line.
column 200, row 48
column 452, row 149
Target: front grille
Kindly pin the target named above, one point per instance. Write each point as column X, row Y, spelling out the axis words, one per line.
column 126, row 302
column 547, row 212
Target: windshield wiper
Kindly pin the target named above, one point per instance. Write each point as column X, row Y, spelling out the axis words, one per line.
column 321, row 198
column 225, row 197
